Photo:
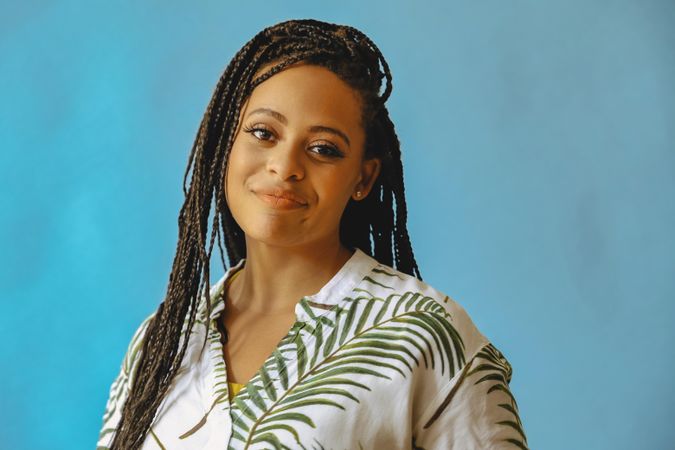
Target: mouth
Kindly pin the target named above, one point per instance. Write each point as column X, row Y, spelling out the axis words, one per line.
column 283, row 201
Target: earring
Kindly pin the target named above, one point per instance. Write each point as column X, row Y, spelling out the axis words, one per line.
column 358, row 193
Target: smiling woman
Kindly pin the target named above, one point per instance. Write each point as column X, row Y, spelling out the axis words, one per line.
column 321, row 333
column 301, row 152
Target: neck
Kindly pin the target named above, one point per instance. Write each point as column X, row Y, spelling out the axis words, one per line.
column 274, row 279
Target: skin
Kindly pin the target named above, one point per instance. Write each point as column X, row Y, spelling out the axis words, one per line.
column 291, row 253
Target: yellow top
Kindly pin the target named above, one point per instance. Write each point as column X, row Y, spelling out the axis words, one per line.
column 234, row 388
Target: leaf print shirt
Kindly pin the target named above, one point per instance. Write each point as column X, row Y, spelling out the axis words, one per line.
column 377, row 359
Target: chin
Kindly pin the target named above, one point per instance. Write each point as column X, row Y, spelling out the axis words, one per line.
column 277, row 235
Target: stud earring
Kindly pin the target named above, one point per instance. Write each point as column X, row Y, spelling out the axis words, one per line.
column 358, row 193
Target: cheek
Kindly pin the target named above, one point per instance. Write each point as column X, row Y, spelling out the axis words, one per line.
column 237, row 161
column 242, row 166
column 233, row 170
column 336, row 189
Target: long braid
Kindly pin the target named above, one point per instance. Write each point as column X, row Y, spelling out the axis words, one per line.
column 372, row 224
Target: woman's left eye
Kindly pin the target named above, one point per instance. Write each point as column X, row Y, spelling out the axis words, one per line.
column 328, row 150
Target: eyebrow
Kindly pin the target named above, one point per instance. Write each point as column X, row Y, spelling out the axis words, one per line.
column 314, row 128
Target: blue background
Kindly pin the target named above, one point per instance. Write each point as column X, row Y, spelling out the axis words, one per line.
column 539, row 156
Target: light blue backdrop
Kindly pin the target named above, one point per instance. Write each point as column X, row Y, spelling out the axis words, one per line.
column 539, row 155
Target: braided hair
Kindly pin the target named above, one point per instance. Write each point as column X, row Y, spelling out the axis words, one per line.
column 356, row 60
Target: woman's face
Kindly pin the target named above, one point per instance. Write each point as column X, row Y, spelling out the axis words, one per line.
column 299, row 136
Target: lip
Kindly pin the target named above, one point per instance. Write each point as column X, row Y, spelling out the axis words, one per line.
column 281, row 198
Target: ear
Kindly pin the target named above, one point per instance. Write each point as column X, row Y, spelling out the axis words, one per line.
column 370, row 169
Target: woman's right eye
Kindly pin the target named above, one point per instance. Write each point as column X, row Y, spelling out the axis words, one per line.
column 260, row 133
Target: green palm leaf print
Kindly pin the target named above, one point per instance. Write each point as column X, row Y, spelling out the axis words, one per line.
column 498, row 370
column 363, row 334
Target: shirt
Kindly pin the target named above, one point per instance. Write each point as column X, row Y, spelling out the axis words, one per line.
column 377, row 359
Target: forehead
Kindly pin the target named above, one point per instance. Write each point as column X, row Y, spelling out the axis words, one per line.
column 308, row 93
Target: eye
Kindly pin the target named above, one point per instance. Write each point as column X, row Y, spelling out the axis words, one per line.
column 263, row 134
column 328, row 151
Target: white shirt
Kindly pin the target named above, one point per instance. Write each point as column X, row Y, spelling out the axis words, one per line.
column 377, row 359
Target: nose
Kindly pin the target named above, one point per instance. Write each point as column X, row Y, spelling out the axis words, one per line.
column 286, row 160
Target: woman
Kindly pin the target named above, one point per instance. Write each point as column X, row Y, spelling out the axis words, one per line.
column 311, row 339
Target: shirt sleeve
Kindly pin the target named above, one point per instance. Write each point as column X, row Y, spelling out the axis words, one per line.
column 120, row 387
column 475, row 410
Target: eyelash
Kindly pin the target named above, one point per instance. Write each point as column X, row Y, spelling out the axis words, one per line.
column 334, row 151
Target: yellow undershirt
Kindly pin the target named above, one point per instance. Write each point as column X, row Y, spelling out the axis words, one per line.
column 234, row 388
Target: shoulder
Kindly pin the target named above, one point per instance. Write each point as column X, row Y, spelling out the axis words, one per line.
column 121, row 385
column 409, row 296
column 134, row 348
column 470, row 373
column 204, row 311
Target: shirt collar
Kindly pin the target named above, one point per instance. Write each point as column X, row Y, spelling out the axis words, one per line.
column 357, row 267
